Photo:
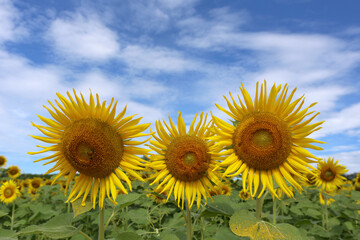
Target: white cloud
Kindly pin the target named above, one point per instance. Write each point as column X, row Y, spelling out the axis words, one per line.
column 343, row 121
column 155, row 59
column 83, row 37
column 10, row 22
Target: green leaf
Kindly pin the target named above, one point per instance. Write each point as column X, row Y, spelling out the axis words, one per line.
column 125, row 200
column 169, row 237
column 333, row 222
column 129, row 236
column 225, row 233
column 313, row 213
column 349, row 226
column 296, row 210
column 3, row 213
column 8, row 235
column 244, row 224
column 57, row 227
column 221, row 205
column 319, row 231
column 138, row 216
column 355, row 195
column 79, row 209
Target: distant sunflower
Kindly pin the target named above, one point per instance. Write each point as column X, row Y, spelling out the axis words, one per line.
column 322, row 199
column 13, row 172
column 244, row 195
column 268, row 139
column 329, row 175
column 36, row 183
column 9, row 192
column 225, row 189
column 91, row 139
column 183, row 160
column 2, row 161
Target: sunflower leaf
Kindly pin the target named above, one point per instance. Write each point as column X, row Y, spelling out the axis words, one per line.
column 79, row 209
column 244, row 224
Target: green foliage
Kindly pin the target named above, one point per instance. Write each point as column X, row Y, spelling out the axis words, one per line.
column 137, row 216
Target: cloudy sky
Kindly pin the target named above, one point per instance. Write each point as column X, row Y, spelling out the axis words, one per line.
column 165, row 56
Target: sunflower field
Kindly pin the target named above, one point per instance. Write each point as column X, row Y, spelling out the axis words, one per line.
column 253, row 176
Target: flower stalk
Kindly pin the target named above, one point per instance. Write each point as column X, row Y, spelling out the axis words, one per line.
column 101, row 225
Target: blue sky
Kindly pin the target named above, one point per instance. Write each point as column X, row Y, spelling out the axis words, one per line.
column 165, row 56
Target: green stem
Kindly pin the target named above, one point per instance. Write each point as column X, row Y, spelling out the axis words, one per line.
column 101, row 225
column 188, row 221
column 274, row 210
column 85, row 235
column 259, row 203
column 12, row 216
column 326, row 213
column 202, row 223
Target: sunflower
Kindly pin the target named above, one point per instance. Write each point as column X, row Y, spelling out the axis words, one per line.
column 267, row 139
column 244, row 195
column 225, row 189
column 90, row 139
column 328, row 175
column 9, row 192
column 183, row 160
column 2, row 161
column 322, row 199
column 13, row 172
column 36, row 183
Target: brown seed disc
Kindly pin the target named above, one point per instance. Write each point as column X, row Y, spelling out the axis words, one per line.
column 92, row 147
column 2, row 160
column 13, row 171
column 8, row 192
column 35, row 183
column 327, row 174
column 262, row 141
column 187, row 158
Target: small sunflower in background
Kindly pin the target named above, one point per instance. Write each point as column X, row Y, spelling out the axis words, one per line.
column 184, row 163
column 322, row 199
column 244, row 195
column 13, row 172
column 90, row 139
column 268, row 139
column 2, row 161
column 328, row 175
column 9, row 192
column 225, row 189
column 36, row 183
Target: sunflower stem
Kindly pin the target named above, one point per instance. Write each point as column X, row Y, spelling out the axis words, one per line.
column 101, row 225
column 202, row 223
column 188, row 221
column 274, row 210
column 326, row 213
column 12, row 216
column 259, row 203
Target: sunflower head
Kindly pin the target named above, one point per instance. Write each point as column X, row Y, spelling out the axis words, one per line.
column 13, row 172
column 9, row 192
column 267, row 139
column 91, row 140
column 36, row 183
column 184, row 160
column 244, row 195
column 328, row 175
column 2, row 161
